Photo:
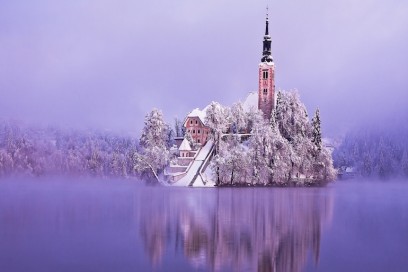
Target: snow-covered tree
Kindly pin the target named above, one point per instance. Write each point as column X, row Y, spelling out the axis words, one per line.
column 253, row 117
column 384, row 166
column 190, row 140
column 316, row 133
column 217, row 122
column 259, row 147
column 6, row 163
column 155, row 130
column 154, row 142
column 323, row 167
column 232, row 162
column 404, row 163
column 238, row 118
column 291, row 115
column 178, row 127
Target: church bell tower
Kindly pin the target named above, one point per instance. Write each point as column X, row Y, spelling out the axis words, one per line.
column 266, row 90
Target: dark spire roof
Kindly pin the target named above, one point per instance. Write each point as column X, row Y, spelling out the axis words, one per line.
column 267, row 21
column 267, row 53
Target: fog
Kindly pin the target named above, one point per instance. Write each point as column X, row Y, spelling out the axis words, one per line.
column 104, row 64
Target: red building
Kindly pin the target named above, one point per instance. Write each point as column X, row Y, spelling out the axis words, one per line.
column 195, row 125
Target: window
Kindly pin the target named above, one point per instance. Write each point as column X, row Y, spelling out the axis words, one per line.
column 196, row 122
column 193, row 131
column 265, row 74
column 265, row 91
column 198, row 131
column 188, row 130
column 191, row 122
column 198, row 140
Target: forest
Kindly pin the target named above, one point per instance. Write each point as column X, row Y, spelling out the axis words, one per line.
column 285, row 150
column 39, row 151
column 248, row 149
column 375, row 150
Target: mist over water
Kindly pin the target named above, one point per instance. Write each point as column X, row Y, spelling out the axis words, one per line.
column 111, row 225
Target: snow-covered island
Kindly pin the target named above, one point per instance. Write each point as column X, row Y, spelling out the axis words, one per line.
column 242, row 148
column 266, row 140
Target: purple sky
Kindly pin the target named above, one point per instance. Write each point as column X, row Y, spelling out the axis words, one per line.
column 104, row 64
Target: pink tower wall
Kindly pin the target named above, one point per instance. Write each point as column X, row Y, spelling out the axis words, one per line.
column 266, row 102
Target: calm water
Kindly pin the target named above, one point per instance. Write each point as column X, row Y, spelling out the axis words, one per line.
column 122, row 226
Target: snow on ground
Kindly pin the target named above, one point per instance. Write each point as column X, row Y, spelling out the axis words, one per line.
column 209, row 177
column 196, row 166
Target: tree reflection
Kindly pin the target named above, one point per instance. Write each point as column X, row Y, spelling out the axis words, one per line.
column 271, row 229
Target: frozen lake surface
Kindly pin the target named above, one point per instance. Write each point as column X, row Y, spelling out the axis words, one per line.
column 100, row 225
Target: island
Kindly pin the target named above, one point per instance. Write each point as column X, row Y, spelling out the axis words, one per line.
column 267, row 140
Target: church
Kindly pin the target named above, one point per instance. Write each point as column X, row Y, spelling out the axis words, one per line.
column 264, row 100
column 194, row 151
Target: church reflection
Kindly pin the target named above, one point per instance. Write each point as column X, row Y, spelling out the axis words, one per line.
column 272, row 229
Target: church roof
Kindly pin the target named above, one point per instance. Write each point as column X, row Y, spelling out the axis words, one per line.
column 251, row 102
column 185, row 145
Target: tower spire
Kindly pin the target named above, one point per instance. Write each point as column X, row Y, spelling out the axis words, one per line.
column 267, row 21
column 267, row 54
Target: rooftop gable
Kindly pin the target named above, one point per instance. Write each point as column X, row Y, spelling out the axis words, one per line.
column 185, row 145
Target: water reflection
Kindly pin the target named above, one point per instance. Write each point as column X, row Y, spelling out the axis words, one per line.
column 235, row 229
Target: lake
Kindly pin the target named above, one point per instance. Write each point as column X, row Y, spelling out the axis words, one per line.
column 104, row 225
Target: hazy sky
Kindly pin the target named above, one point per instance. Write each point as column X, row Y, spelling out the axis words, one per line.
column 106, row 63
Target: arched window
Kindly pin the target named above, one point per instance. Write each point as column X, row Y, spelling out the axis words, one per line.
column 265, row 74
column 265, row 91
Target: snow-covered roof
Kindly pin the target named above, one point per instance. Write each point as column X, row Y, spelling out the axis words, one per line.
column 251, row 102
column 197, row 113
column 185, row 145
column 201, row 114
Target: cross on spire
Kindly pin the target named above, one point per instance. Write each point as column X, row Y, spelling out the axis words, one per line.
column 267, row 54
column 267, row 12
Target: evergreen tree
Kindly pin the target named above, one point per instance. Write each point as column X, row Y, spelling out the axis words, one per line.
column 404, row 163
column 316, row 133
column 155, row 143
column 155, row 130
column 178, row 125
column 272, row 121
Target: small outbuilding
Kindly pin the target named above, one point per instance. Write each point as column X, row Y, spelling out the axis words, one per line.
column 185, row 149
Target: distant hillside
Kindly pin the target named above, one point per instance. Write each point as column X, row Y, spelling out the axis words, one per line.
column 43, row 151
column 379, row 150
